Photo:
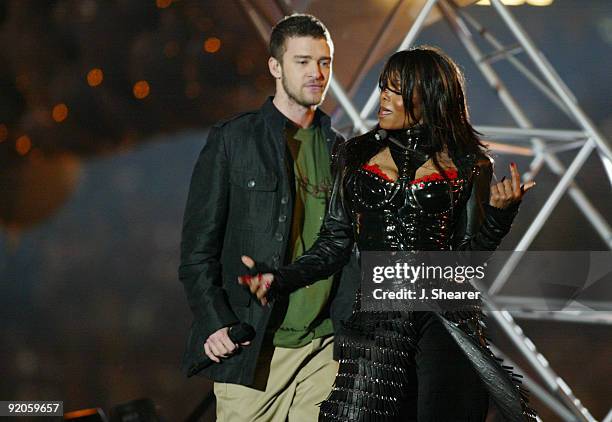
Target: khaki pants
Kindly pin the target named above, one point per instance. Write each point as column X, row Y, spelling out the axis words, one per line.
column 299, row 380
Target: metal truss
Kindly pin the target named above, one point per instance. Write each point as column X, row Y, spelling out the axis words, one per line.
column 543, row 144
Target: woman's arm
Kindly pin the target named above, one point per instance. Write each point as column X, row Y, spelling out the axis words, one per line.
column 329, row 253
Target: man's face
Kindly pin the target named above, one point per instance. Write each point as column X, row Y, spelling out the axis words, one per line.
column 305, row 70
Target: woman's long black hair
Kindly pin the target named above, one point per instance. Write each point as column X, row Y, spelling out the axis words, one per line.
column 439, row 82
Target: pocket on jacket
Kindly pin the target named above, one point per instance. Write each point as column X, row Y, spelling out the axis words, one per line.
column 252, row 201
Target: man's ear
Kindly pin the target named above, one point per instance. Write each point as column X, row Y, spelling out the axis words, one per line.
column 275, row 67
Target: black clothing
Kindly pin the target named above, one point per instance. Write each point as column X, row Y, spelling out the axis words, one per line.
column 413, row 369
column 378, row 351
column 240, row 203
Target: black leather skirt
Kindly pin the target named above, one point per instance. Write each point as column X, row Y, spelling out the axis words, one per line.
column 420, row 366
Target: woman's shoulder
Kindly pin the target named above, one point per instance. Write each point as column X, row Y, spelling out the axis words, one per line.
column 362, row 140
column 478, row 158
column 355, row 148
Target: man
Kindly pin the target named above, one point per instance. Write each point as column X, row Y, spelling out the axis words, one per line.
column 259, row 188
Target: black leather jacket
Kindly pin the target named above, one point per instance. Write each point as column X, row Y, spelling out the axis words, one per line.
column 473, row 223
column 240, row 203
column 380, row 215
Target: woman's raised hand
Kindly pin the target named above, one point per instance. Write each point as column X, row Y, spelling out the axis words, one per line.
column 259, row 284
column 509, row 191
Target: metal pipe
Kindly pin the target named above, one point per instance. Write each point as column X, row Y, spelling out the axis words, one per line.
column 406, row 42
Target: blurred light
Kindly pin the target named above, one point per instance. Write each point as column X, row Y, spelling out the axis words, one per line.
column 23, row 145
column 539, row 2
column 193, row 90
column 162, row 4
column 95, row 77
column 141, row 89
column 604, row 26
column 505, row 2
column 212, row 45
column 60, row 112
column 89, row 415
column 171, row 49
column 3, row 132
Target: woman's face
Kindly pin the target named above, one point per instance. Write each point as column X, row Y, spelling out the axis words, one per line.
column 392, row 114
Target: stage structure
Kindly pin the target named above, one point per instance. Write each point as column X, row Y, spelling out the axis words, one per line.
column 542, row 144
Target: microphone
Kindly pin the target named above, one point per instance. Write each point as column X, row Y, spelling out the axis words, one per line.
column 237, row 334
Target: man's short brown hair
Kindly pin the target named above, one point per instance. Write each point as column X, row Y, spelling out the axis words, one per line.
column 296, row 25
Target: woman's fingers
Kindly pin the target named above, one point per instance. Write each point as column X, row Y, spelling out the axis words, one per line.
column 248, row 261
column 264, row 285
column 518, row 189
column 528, row 186
column 258, row 285
column 516, row 179
column 495, row 195
column 508, row 190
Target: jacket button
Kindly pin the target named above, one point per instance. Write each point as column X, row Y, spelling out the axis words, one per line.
column 251, row 183
column 279, row 237
column 284, row 200
column 282, row 218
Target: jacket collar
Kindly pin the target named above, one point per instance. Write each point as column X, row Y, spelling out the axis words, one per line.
column 277, row 121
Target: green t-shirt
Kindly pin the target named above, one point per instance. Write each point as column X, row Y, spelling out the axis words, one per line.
column 307, row 314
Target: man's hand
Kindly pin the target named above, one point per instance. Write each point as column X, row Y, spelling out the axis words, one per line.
column 507, row 192
column 219, row 345
column 259, row 284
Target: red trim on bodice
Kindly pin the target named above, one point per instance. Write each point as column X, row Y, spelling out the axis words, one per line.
column 374, row 168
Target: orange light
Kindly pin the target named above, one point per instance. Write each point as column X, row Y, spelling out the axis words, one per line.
column 23, row 145
column 95, row 77
column 60, row 112
column 80, row 413
column 162, row 4
column 212, row 45
column 141, row 89
column 3, row 132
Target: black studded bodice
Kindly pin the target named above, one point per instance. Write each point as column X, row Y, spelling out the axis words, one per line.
column 405, row 214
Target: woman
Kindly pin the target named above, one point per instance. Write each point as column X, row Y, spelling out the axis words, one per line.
column 420, row 181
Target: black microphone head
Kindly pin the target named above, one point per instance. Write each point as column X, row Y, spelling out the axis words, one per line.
column 241, row 332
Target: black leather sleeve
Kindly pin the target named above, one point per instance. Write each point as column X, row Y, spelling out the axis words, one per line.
column 332, row 249
column 482, row 227
column 202, row 237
